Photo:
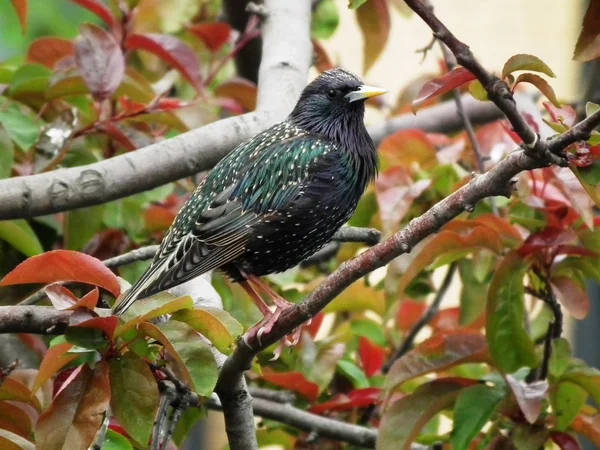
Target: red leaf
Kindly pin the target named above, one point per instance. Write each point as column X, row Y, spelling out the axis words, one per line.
column 55, row 359
column 117, row 135
column 129, row 106
column 588, row 426
column 99, row 9
column 441, row 85
column 358, row 398
column 409, row 313
column 214, row 35
column 315, row 324
column 529, row 396
column 371, row 356
column 541, row 84
column 563, row 440
column 49, row 50
column 587, row 47
column 572, row 296
column 106, row 324
column 565, row 115
column 20, row 7
column 157, row 217
column 60, row 297
column 100, row 60
column 171, row 50
column 35, row 343
column 549, row 238
column 446, row 320
column 294, row 381
column 63, row 265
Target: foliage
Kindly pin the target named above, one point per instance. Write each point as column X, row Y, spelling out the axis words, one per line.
column 137, row 76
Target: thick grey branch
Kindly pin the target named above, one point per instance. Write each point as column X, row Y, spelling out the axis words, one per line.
column 200, row 149
column 33, row 319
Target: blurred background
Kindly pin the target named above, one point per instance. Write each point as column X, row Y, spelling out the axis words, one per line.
column 494, row 29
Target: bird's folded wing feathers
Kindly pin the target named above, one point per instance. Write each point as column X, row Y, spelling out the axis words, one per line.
column 266, row 180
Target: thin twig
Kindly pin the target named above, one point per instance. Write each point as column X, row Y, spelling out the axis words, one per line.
column 433, row 309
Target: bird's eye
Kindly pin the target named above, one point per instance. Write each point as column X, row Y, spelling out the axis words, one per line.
column 332, row 94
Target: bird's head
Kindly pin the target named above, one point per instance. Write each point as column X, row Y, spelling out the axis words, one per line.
column 333, row 104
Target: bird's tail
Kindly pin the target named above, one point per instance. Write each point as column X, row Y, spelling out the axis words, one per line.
column 138, row 291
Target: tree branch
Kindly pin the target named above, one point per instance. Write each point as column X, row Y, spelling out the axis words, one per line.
column 496, row 182
column 287, row 55
column 33, row 319
column 197, row 150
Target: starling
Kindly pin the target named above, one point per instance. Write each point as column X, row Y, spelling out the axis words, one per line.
column 275, row 200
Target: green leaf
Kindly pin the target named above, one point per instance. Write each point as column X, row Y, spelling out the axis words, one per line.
column 19, row 234
column 526, row 62
column 559, row 359
column 152, row 307
column 188, row 419
column 354, row 373
column 474, row 407
column 90, row 338
column 214, row 324
column 195, row 354
column 353, row 4
column 81, row 225
column 325, row 20
column 7, row 154
column 510, row 346
column 116, row 441
column 134, row 396
column 567, row 399
column 591, row 108
column 590, row 174
column 542, row 86
column 374, row 22
column 30, row 78
column 477, row 91
column 403, row 420
column 21, row 128
column 471, row 294
column 586, row 377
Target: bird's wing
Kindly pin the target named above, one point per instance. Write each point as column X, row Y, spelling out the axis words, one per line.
column 214, row 226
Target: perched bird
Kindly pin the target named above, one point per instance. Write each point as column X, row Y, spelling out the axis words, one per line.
column 275, row 200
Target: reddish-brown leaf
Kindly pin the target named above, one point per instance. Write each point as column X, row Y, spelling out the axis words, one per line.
column 171, row 50
column 359, row 398
column 56, row 358
column 63, row 265
column 63, row 299
column 15, row 419
column 572, row 296
column 13, row 389
column 213, row 34
column 49, row 50
column 441, row 85
column 20, row 7
column 76, row 412
column 157, row 217
column 409, row 313
column 548, row 238
column 403, row 420
column 407, row 148
column 322, row 61
column 588, row 43
column 35, row 343
column 100, row 60
column 241, row 90
column 106, row 324
column 447, row 242
column 374, row 21
column 99, row 9
column 588, row 426
column 529, row 396
column 563, row 440
column 439, row 352
column 294, row 381
column 541, row 84
column 371, row 356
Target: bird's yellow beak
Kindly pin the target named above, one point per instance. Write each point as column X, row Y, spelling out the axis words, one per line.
column 364, row 92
